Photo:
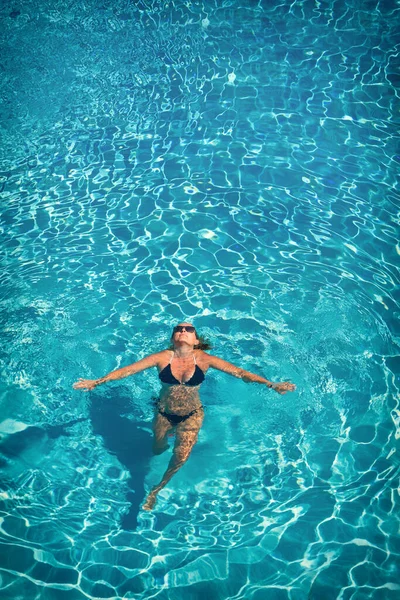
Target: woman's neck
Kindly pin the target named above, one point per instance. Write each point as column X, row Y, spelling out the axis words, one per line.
column 183, row 351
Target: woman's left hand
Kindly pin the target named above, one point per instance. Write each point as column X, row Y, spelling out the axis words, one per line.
column 85, row 384
column 283, row 387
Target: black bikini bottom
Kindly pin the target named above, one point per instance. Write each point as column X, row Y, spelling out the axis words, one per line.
column 176, row 419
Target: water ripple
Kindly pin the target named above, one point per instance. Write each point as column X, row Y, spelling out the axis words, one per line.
column 234, row 165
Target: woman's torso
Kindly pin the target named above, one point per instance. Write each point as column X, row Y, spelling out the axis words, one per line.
column 179, row 398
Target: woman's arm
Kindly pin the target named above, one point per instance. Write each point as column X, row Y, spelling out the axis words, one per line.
column 145, row 363
column 226, row 367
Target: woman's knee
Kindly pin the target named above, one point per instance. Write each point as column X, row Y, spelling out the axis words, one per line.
column 182, row 451
column 159, row 448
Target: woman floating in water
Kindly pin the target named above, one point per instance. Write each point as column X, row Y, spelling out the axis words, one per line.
column 181, row 370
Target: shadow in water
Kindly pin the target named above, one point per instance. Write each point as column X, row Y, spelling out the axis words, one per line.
column 129, row 439
column 34, row 437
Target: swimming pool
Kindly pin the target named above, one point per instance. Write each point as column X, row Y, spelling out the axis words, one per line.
column 232, row 163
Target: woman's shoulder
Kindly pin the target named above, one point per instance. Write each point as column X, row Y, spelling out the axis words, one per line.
column 202, row 356
column 158, row 359
column 210, row 360
column 160, row 356
column 163, row 354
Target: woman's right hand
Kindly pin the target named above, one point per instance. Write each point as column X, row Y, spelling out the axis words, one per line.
column 282, row 387
column 85, row 384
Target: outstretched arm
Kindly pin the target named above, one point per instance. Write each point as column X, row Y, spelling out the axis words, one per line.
column 227, row 367
column 145, row 363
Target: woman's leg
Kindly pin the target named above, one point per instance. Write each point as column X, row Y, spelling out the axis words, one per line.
column 161, row 428
column 186, row 437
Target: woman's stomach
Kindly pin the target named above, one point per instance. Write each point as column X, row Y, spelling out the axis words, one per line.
column 179, row 399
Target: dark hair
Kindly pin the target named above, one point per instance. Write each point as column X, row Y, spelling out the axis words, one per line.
column 202, row 345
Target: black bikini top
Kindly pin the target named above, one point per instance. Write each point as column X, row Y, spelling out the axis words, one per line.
column 196, row 379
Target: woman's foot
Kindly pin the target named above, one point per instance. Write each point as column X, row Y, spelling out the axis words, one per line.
column 150, row 500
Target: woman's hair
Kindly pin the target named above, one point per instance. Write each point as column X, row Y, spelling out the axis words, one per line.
column 202, row 345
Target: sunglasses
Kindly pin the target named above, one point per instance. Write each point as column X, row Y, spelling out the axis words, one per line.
column 187, row 328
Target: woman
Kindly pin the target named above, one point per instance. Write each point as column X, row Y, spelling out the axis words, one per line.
column 181, row 370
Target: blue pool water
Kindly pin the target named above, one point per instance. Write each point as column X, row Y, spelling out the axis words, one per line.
column 228, row 162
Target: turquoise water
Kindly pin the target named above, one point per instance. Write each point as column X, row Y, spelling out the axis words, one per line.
column 235, row 164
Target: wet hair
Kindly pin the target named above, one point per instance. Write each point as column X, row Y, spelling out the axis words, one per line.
column 203, row 344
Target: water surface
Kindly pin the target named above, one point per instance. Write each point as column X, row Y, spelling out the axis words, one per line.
column 235, row 164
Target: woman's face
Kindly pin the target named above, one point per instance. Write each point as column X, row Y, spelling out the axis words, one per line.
column 180, row 334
